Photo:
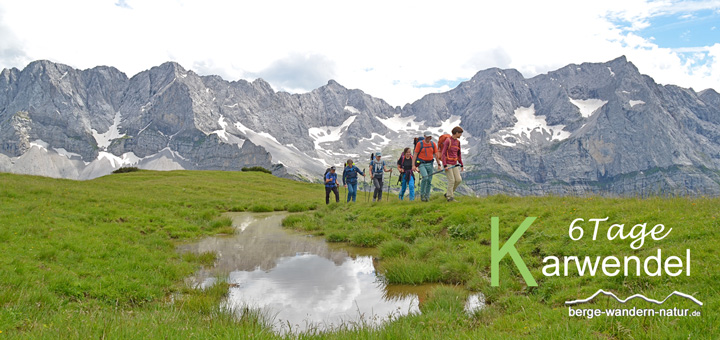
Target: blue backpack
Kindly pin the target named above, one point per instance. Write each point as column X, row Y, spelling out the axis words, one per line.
column 350, row 174
column 327, row 171
column 375, row 171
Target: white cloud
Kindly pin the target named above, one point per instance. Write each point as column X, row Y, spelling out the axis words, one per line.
column 123, row 4
column 384, row 48
column 11, row 48
column 297, row 72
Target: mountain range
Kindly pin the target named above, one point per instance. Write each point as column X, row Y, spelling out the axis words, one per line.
column 601, row 128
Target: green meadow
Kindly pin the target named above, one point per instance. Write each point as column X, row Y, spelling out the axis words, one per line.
column 98, row 259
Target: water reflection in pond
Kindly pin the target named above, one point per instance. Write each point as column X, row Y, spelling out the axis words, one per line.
column 299, row 281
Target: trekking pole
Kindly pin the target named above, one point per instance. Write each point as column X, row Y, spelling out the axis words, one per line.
column 439, row 171
column 417, row 184
column 364, row 188
column 389, row 182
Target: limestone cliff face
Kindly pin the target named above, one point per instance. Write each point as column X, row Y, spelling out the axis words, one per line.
column 602, row 128
column 594, row 127
column 61, row 122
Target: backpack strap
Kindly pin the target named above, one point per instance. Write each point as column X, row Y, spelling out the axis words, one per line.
column 422, row 146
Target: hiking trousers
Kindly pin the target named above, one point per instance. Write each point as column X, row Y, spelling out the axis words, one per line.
column 426, row 183
column 352, row 191
column 453, row 181
column 407, row 185
column 333, row 190
column 378, row 183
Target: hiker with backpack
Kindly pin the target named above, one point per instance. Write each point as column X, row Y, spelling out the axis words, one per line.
column 451, row 157
column 426, row 152
column 331, row 185
column 407, row 177
column 350, row 179
column 377, row 168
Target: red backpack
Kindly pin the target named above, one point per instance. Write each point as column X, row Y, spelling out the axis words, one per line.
column 441, row 141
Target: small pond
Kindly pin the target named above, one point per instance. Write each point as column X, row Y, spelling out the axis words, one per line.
column 300, row 282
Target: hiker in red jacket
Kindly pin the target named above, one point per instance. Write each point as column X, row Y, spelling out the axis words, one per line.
column 451, row 156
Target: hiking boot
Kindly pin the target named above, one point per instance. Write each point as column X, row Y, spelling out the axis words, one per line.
column 373, row 200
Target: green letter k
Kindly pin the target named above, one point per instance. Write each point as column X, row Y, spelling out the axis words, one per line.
column 508, row 247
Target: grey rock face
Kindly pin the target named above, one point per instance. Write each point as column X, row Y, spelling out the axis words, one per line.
column 613, row 126
column 600, row 128
column 102, row 120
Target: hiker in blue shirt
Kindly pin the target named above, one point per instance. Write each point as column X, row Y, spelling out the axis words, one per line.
column 350, row 179
column 377, row 168
column 331, row 184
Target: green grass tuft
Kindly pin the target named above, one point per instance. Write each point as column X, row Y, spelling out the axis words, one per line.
column 262, row 208
column 126, row 170
column 367, row 238
column 394, row 248
column 257, row 169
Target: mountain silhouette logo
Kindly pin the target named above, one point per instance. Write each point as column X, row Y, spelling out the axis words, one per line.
column 640, row 296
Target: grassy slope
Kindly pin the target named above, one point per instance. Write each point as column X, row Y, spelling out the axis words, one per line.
column 83, row 258
column 87, row 259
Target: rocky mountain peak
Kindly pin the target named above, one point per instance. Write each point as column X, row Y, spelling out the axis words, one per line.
column 710, row 97
column 492, row 74
column 592, row 127
column 171, row 66
column 335, row 84
column 263, row 86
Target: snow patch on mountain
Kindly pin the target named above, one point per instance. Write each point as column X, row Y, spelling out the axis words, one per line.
column 352, row 110
column 447, row 125
column 127, row 159
column 398, row 124
column 38, row 143
column 636, row 102
column 291, row 157
column 270, row 137
column 325, row 134
column 382, row 142
column 225, row 135
column 588, row 106
column 527, row 129
column 221, row 133
column 104, row 139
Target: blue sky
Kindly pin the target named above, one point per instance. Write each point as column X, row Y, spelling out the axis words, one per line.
column 680, row 30
column 684, row 30
column 689, row 30
column 395, row 50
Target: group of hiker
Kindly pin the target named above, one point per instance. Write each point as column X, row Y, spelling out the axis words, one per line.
column 420, row 159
